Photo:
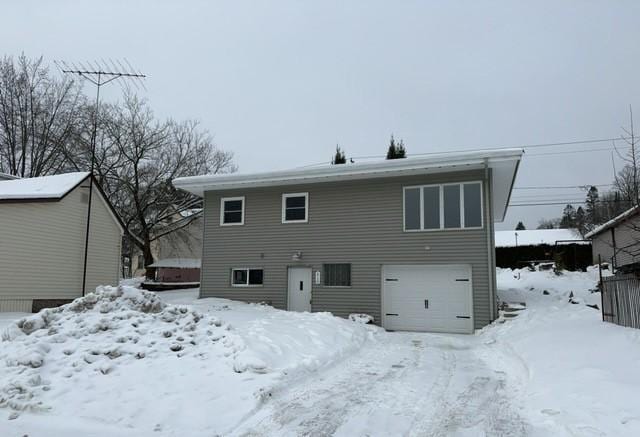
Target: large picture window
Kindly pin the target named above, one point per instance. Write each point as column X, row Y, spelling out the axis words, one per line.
column 444, row 206
column 246, row 277
column 295, row 208
column 231, row 211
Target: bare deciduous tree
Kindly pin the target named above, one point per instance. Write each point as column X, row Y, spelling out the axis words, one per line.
column 38, row 115
column 137, row 157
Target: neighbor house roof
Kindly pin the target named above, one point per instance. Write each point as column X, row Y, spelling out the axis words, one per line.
column 535, row 237
column 177, row 263
column 5, row 176
column 613, row 222
column 50, row 189
column 41, row 188
column 503, row 163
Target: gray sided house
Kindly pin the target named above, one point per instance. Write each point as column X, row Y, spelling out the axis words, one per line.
column 408, row 241
column 42, row 241
column 617, row 241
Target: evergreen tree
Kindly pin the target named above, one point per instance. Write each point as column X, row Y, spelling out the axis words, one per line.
column 591, row 205
column 402, row 152
column 568, row 219
column 581, row 221
column 520, row 227
column 339, row 157
column 396, row 151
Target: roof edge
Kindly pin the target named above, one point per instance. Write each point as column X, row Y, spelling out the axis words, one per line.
column 333, row 173
column 634, row 210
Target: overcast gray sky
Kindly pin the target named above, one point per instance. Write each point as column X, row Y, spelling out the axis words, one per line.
column 281, row 82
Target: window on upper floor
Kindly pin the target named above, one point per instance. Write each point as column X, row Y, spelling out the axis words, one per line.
column 443, row 206
column 295, row 208
column 231, row 211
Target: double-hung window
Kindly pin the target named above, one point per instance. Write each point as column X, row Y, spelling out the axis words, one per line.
column 444, row 206
column 295, row 208
column 246, row 277
column 231, row 211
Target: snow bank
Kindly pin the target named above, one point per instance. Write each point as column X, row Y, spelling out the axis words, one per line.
column 126, row 359
column 574, row 374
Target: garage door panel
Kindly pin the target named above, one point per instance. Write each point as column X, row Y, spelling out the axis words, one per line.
column 445, row 288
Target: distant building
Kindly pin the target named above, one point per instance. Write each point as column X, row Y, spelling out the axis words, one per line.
column 183, row 243
column 617, row 241
column 7, row 177
column 515, row 249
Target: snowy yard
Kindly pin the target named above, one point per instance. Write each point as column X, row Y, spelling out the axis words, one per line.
column 128, row 363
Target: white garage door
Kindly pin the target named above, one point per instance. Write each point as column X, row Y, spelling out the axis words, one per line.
column 435, row 298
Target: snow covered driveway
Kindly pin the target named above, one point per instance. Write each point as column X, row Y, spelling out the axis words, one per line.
column 403, row 384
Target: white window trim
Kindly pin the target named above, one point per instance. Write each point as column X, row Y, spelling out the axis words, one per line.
column 227, row 199
column 285, row 196
column 441, row 191
column 247, row 285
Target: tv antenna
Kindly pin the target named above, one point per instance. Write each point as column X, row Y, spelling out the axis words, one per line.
column 99, row 73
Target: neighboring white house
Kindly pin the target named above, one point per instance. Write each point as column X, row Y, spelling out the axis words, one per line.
column 617, row 241
column 7, row 177
column 43, row 224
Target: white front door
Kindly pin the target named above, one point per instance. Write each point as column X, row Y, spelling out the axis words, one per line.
column 436, row 298
column 299, row 289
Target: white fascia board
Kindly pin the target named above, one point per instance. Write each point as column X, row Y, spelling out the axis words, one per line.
column 504, row 164
column 409, row 166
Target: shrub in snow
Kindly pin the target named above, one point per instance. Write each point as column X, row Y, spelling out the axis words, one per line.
column 361, row 318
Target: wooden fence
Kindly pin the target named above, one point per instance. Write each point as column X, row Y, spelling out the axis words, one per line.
column 621, row 300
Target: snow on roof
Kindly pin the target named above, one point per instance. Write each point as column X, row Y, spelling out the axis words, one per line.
column 45, row 187
column 177, row 263
column 189, row 212
column 535, row 237
column 614, row 221
column 503, row 163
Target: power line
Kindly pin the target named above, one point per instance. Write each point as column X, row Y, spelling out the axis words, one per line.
column 561, row 187
column 566, row 202
column 525, row 146
column 573, row 152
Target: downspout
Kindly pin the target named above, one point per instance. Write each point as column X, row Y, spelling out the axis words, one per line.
column 614, row 257
column 493, row 303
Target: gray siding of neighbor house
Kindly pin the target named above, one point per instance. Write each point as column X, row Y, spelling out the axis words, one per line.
column 627, row 243
column 357, row 222
column 42, row 249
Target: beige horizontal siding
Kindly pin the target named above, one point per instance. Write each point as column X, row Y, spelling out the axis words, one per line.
column 15, row 305
column 358, row 222
column 42, row 247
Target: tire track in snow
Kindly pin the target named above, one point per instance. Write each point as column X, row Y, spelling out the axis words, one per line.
column 406, row 384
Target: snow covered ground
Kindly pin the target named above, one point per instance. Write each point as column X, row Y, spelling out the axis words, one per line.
column 555, row 369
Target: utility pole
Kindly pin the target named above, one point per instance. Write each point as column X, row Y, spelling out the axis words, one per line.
column 99, row 74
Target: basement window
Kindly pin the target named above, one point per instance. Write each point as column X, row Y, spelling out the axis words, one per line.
column 231, row 211
column 246, row 277
column 443, row 207
column 337, row 275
